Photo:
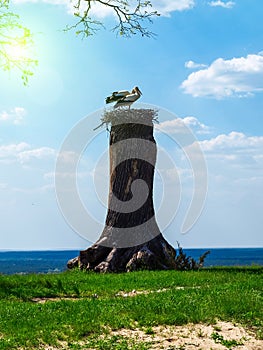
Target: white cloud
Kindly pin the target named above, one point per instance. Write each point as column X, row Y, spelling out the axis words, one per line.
column 37, row 153
column 177, row 126
column 229, row 157
column 234, row 156
column 97, row 10
column 69, row 157
column 237, row 77
column 23, row 153
column 235, row 167
column 53, row 2
column 235, row 142
column 8, row 153
column 194, row 65
column 194, row 124
column 14, row 116
column 164, row 7
column 219, row 3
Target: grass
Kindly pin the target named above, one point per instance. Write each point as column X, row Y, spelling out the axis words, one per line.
column 85, row 305
column 227, row 343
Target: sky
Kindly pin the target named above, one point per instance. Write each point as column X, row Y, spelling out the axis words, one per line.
column 204, row 68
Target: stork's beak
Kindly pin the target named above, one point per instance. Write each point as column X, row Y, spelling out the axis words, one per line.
column 139, row 91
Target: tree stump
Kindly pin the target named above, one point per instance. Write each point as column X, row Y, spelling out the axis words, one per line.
column 131, row 239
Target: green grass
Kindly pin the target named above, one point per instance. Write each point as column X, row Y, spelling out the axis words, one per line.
column 227, row 343
column 92, row 308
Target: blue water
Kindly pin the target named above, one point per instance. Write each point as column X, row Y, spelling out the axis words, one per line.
column 229, row 256
column 55, row 261
column 35, row 261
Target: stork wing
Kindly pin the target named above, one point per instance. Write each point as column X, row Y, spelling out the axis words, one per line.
column 117, row 95
column 122, row 92
column 130, row 98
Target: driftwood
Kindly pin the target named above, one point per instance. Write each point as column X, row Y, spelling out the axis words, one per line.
column 131, row 239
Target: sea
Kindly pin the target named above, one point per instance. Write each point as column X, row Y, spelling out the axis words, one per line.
column 25, row 262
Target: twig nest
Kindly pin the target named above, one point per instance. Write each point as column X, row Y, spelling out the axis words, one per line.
column 124, row 116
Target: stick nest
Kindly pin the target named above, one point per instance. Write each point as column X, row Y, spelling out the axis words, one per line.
column 122, row 116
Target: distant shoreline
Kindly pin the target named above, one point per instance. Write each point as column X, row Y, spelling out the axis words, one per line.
column 79, row 249
column 54, row 261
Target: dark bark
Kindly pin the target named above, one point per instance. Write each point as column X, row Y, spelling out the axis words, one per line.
column 131, row 239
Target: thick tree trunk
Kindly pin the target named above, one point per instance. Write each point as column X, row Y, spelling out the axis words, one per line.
column 131, row 239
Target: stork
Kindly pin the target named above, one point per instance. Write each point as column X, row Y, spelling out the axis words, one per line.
column 124, row 98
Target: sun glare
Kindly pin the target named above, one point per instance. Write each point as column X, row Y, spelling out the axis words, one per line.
column 16, row 52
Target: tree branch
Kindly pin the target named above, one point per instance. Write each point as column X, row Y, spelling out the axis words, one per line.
column 14, row 36
column 129, row 22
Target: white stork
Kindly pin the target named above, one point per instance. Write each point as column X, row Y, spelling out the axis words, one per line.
column 124, row 98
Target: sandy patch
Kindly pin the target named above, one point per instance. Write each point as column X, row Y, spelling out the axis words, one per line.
column 123, row 294
column 197, row 336
column 220, row 336
column 134, row 292
column 188, row 337
column 43, row 300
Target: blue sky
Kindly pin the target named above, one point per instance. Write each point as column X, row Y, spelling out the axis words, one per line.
column 205, row 67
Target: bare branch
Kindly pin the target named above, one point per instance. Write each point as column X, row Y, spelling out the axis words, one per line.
column 130, row 20
column 132, row 17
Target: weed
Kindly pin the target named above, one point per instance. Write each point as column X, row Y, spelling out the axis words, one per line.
column 259, row 334
column 218, row 338
column 149, row 330
column 200, row 333
column 116, row 343
column 217, row 328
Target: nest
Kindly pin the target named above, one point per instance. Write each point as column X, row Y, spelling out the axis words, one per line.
column 125, row 116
